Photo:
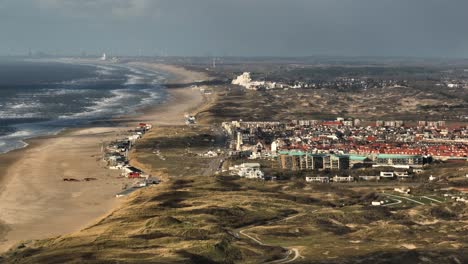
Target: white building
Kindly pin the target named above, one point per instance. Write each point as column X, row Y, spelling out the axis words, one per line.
column 369, row 178
column 402, row 190
column 402, row 174
column 387, row 174
column 343, row 179
column 274, row 147
column 245, row 80
column 248, row 170
column 317, row 179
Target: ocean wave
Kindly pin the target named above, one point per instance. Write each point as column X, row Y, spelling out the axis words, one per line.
column 153, row 96
column 158, row 81
column 105, row 70
column 139, row 76
column 19, row 134
column 116, row 90
column 136, row 71
column 134, row 79
column 24, row 105
column 20, row 110
column 53, row 92
column 78, row 81
column 116, row 100
column 106, row 106
column 22, row 132
column 13, row 115
column 6, row 146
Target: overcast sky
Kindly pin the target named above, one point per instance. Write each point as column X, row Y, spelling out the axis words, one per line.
column 420, row 28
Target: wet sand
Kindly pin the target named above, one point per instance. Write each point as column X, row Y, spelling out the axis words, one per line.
column 36, row 203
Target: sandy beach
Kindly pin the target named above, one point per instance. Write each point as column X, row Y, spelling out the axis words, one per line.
column 36, row 203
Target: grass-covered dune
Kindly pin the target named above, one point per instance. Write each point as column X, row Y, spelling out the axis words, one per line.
column 200, row 219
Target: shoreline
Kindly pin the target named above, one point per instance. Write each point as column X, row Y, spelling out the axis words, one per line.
column 35, row 203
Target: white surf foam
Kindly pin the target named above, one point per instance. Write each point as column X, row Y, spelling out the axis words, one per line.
column 106, row 106
column 152, row 97
column 19, row 134
column 24, row 105
column 134, row 79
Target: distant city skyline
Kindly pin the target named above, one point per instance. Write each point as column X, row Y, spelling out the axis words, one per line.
column 293, row 28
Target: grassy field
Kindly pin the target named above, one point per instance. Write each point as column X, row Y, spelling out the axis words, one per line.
column 406, row 103
column 178, row 151
column 195, row 220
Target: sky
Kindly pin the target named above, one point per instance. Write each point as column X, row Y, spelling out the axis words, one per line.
column 283, row 28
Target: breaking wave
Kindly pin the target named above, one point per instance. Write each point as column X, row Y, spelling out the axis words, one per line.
column 46, row 107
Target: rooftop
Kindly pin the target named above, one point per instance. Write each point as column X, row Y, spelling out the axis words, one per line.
column 397, row 156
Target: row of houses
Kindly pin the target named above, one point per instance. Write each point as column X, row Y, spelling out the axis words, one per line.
column 116, row 156
column 390, row 175
column 264, row 139
column 325, row 179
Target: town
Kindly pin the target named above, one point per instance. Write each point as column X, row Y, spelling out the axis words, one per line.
column 347, row 83
column 341, row 83
column 396, row 149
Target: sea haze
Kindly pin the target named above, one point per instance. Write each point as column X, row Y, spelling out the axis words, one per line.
column 42, row 98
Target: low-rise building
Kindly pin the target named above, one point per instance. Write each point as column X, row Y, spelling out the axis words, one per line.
column 369, row 178
column 356, row 161
column 343, row 179
column 387, row 174
column 248, row 170
column 402, row 174
column 396, row 160
column 318, row 179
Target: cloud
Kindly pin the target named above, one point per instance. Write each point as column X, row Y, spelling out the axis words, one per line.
column 103, row 8
column 239, row 27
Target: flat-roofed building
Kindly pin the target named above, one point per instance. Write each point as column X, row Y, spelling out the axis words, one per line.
column 402, row 174
column 300, row 160
column 292, row 160
column 336, row 162
column 318, row 179
column 387, row 174
column 343, row 179
column 369, row 178
column 399, row 160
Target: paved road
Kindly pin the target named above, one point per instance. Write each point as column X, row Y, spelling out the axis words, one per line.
column 220, row 142
column 431, row 199
column 405, row 198
column 213, row 166
column 395, row 203
column 292, row 252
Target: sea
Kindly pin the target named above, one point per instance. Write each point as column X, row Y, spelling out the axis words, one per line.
column 39, row 98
